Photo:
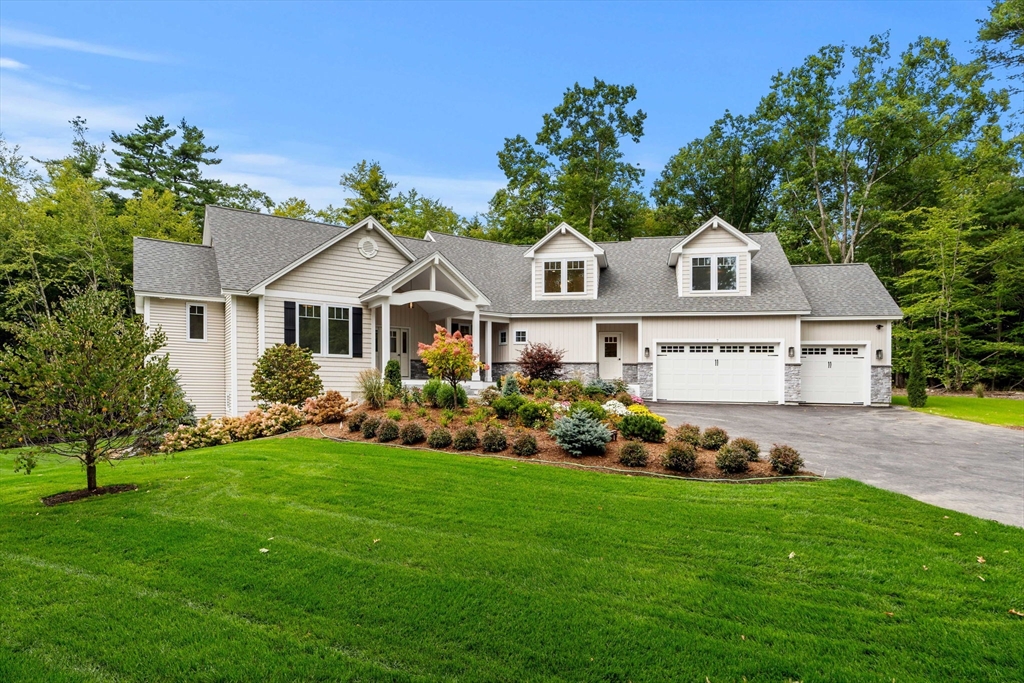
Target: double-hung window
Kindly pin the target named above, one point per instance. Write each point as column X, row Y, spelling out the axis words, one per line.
column 502, row 337
column 520, row 336
column 196, row 322
column 332, row 332
column 713, row 273
column 565, row 277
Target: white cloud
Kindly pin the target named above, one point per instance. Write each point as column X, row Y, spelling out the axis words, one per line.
column 19, row 38
column 12, row 64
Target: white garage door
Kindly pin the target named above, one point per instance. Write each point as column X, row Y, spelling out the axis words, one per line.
column 712, row 372
column 833, row 374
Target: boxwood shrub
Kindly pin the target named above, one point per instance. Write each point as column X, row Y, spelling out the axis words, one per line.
column 411, row 433
column 524, row 445
column 533, row 415
column 356, row 419
column 748, row 446
column 387, row 430
column 680, row 457
column 369, row 427
column 494, row 440
column 714, row 438
column 439, row 438
column 731, row 459
column 446, row 397
column 633, row 454
column 785, row 459
column 507, row 405
column 688, row 433
column 642, row 427
column 466, row 439
column 579, row 434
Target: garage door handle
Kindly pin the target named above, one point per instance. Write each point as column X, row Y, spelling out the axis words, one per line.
column 830, row 364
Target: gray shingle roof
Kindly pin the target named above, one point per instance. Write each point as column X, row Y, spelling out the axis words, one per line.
column 849, row 289
column 250, row 247
column 175, row 268
column 638, row 278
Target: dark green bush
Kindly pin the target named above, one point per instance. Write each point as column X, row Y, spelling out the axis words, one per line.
column 538, row 385
column 633, row 454
column 571, row 390
column 387, row 430
column 355, row 420
column 369, row 427
column 731, row 459
column 494, row 440
column 430, row 388
column 688, row 433
column 285, row 373
column 393, row 376
column 524, row 445
column 579, row 434
column 466, row 439
column 785, row 459
column 748, row 446
column 593, row 407
column 642, row 427
column 680, row 457
column 917, row 383
column 411, row 433
column 534, row 415
column 439, row 438
column 507, row 405
column 714, row 438
column 446, row 397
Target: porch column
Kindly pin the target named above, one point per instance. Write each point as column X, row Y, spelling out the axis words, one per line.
column 476, row 339
column 488, row 349
column 385, row 334
column 373, row 337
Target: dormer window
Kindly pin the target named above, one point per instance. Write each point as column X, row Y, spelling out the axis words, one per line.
column 565, row 277
column 720, row 278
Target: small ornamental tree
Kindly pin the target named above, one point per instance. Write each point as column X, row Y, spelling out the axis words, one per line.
column 917, row 393
column 450, row 358
column 541, row 361
column 87, row 383
column 285, row 373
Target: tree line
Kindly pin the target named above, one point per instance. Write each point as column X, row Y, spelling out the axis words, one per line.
column 910, row 162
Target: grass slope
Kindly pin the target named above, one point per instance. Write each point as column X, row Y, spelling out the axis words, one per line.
column 992, row 411
column 397, row 565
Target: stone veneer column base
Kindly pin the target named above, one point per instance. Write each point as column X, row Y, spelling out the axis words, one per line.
column 792, row 383
column 587, row 371
column 881, row 385
column 629, row 373
column 645, row 378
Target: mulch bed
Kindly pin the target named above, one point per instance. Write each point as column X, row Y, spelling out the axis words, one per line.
column 81, row 494
column 550, row 452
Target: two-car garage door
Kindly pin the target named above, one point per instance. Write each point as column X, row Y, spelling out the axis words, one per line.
column 714, row 372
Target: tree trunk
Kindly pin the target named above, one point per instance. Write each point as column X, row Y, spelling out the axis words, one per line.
column 90, row 473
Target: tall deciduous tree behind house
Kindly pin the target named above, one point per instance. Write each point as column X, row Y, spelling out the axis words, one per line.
column 575, row 170
column 1001, row 37
column 87, row 381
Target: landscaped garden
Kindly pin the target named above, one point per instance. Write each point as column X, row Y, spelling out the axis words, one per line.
column 301, row 559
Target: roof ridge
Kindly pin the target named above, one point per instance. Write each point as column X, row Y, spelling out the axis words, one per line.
column 156, row 239
column 474, row 239
column 826, row 265
column 284, row 218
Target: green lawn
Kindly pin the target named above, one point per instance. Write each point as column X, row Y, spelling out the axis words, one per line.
column 993, row 411
column 396, row 565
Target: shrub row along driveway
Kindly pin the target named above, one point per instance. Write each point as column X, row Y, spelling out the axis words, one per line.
column 964, row 466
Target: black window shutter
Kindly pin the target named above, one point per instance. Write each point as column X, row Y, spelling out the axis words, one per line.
column 357, row 332
column 455, row 327
column 289, row 322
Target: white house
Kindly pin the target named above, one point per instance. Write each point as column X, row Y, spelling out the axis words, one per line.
column 716, row 316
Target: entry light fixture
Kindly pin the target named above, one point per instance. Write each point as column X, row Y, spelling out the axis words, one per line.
column 647, row 352
column 410, row 304
column 792, row 352
column 878, row 354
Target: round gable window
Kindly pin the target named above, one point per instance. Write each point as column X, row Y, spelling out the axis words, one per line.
column 367, row 247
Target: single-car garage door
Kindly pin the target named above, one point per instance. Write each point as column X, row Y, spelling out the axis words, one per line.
column 713, row 372
column 833, row 374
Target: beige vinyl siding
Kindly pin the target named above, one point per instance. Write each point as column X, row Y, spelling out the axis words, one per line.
column 246, row 320
column 742, row 272
column 713, row 328
column 420, row 327
column 575, row 336
column 502, row 353
column 200, row 365
column 629, row 339
column 341, row 270
column 849, row 331
column 562, row 244
column 716, row 239
column 589, row 277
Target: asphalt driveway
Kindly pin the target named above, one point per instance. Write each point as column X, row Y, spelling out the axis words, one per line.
column 964, row 466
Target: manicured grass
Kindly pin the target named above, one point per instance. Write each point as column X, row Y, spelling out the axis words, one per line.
column 398, row 565
column 992, row 411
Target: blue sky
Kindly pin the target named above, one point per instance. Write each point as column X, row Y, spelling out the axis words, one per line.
column 295, row 93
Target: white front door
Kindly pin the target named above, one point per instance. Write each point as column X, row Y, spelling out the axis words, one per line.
column 715, row 372
column 399, row 348
column 833, row 374
column 610, row 355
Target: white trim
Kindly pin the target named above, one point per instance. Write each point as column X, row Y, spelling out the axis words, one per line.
column 646, row 314
column 869, row 361
column 714, row 256
column 440, row 297
column 188, row 321
column 850, row 318
column 367, row 223
column 526, row 337
column 432, row 261
column 563, row 262
column 715, row 223
column 779, row 343
column 326, row 298
column 261, row 326
column 145, row 311
column 562, row 229
column 233, row 353
column 500, row 334
column 324, row 325
column 181, row 297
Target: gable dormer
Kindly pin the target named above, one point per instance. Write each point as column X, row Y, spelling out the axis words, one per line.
column 714, row 260
column 566, row 265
